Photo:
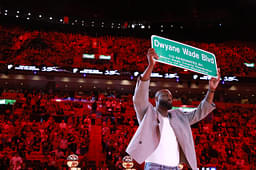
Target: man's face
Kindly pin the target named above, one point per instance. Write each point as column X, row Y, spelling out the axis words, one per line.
column 164, row 99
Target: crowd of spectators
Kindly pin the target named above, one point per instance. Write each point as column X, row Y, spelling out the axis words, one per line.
column 32, row 136
column 43, row 129
column 226, row 139
column 36, row 47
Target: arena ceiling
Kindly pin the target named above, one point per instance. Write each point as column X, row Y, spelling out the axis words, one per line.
column 163, row 10
column 235, row 18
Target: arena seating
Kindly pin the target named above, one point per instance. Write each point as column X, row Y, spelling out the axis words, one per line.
column 40, row 128
column 33, row 47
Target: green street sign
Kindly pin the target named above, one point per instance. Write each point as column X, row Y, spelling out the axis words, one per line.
column 184, row 56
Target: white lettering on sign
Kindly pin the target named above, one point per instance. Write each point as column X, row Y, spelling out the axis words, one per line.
column 185, row 51
column 189, row 53
column 184, row 56
column 166, row 46
column 205, row 58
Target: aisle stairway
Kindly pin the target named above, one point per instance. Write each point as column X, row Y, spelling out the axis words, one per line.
column 95, row 155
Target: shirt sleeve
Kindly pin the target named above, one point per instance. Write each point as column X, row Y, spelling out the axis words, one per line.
column 202, row 110
column 141, row 98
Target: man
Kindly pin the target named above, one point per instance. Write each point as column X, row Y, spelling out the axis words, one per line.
column 164, row 137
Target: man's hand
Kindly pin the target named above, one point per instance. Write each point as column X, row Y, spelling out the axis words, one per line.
column 152, row 56
column 151, row 62
column 213, row 82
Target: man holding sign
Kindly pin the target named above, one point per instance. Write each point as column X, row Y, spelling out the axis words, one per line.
column 164, row 138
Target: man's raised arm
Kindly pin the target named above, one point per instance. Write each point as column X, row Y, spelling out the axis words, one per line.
column 140, row 98
column 207, row 105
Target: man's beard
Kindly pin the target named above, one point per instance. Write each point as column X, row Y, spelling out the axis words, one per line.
column 165, row 104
